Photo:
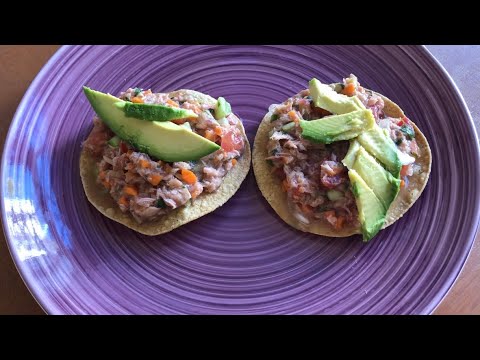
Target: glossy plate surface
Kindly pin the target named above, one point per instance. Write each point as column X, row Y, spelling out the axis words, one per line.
column 241, row 258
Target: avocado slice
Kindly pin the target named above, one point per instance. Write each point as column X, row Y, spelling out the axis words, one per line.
column 222, row 109
column 325, row 97
column 187, row 126
column 377, row 143
column 371, row 211
column 382, row 183
column 337, row 127
column 163, row 140
column 153, row 112
column 114, row 141
column 349, row 159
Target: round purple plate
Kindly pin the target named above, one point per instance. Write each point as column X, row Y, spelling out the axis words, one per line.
column 241, row 258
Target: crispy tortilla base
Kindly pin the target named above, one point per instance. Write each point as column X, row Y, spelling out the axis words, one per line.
column 204, row 204
column 270, row 185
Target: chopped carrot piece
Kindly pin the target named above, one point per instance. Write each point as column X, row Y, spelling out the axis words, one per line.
column 172, row 103
column 130, row 190
column 339, row 223
column 218, row 131
column 210, row 135
column 101, row 175
column 123, row 201
column 349, row 89
column 402, row 183
column 234, row 162
column 106, row 184
column 179, row 121
column 404, row 170
column 154, row 179
column 192, row 119
column 147, row 92
column 293, row 115
column 189, row 177
column 285, row 185
column 137, row 100
column 144, row 163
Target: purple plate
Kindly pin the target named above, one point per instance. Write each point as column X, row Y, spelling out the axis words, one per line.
column 241, row 258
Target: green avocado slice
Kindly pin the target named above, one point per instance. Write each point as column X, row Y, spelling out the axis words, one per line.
column 325, row 97
column 377, row 143
column 222, row 109
column 383, row 184
column 163, row 140
column 371, row 212
column 154, row 112
column 349, row 159
column 337, row 127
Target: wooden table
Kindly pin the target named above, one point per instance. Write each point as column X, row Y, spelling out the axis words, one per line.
column 20, row 64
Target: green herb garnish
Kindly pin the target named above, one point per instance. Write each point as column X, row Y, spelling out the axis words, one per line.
column 160, row 203
column 408, row 131
column 137, row 91
column 355, row 190
column 274, row 117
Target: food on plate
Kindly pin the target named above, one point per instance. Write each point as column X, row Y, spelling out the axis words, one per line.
column 339, row 159
column 155, row 161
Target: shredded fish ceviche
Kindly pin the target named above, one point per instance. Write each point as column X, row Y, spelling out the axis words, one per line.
column 149, row 188
column 312, row 174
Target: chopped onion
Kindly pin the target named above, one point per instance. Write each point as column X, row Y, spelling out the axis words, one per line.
column 301, row 218
column 404, row 158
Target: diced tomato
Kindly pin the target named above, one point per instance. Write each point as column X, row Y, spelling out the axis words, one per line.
column 331, row 182
column 232, row 140
column 123, row 147
column 404, row 170
column 403, row 121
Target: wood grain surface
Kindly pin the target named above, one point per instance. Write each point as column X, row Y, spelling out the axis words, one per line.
column 20, row 64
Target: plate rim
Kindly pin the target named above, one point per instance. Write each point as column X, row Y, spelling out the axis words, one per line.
column 29, row 283
column 50, row 308
column 474, row 231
